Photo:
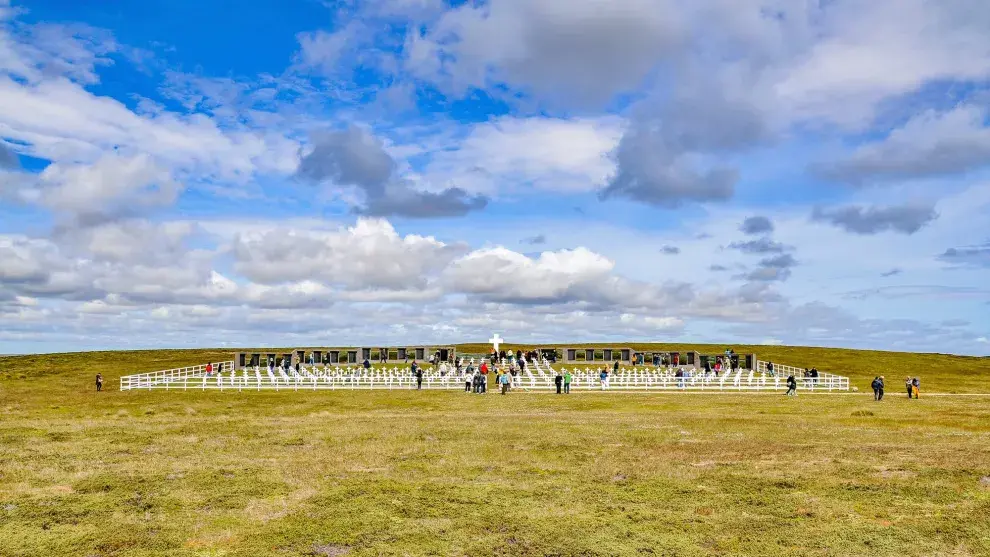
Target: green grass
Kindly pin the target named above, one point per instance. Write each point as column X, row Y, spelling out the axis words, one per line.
column 939, row 372
column 447, row 473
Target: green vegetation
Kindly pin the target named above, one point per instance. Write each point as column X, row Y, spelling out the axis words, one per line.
column 939, row 372
column 447, row 473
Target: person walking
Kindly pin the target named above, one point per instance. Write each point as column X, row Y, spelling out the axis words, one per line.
column 558, row 381
column 915, row 387
column 99, row 382
column 603, row 377
column 504, row 380
column 567, row 382
column 791, row 385
column 880, row 397
column 908, row 385
column 615, row 368
column 209, row 369
column 419, row 378
column 876, row 388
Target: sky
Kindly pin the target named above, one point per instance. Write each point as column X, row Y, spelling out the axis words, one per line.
column 304, row 173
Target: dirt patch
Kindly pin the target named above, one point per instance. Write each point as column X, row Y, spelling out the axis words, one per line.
column 897, row 474
column 331, row 550
column 985, row 481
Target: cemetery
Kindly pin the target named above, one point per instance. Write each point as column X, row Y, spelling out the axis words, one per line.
column 389, row 368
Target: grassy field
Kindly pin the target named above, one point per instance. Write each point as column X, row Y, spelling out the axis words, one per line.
column 939, row 372
column 448, row 473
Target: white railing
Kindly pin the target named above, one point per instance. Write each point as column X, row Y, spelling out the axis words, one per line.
column 826, row 381
column 163, row 378
column 537, row 377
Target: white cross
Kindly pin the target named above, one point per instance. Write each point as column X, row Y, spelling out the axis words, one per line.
column 495, row 341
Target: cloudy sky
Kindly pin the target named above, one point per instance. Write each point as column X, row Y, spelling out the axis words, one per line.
column 178, row 173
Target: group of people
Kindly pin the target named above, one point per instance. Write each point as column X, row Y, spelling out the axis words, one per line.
column 476, row 380
column 911, row 385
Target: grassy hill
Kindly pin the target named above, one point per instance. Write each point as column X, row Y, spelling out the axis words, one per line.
column 939, row 372
column 296, row 474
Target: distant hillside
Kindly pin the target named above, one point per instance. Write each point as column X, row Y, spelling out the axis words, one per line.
column 938, row 372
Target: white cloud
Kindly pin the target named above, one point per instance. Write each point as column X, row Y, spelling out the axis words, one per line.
column 516, row 154
column 110, row 186
column 368, row 255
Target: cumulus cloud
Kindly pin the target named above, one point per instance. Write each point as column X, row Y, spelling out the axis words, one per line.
column 906, row 219
column 353, row 157
column 929, row 144
column 8, row 159
column 370, row 254
column 973, row 256
column 585, row 51
column 756, row 225
column 114, row 186
column 552, row 154
column 759, row 246
column 775, row 268
column 503, row 275
column 646, row 173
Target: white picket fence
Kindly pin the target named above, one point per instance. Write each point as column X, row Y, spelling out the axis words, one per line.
column 158, row 378
column 537, row 377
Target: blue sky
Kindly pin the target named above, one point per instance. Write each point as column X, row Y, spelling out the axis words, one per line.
column 294, row 173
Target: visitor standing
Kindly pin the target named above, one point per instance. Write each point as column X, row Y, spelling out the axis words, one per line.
column 603, row 377
column 876, row 388
column 504, row 380
column 908, row 385
column 770, row 369
column 791, row 385
column 367, row 364
column 915, row 386
column 209, row 369
column 615, row 368
column 567, row 382
column 559, row 382
column 99, row 382
column 881, row 385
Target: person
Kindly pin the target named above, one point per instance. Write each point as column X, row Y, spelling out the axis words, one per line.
column 881, row 384
column 382, row 355
column 791, row 385
column 603, row 377
column 567, row 382
column 908, row 385
column 915, row 386
column 99, row 382
column 558, row 381
column 419, row 378
column 468, row 379
column 504, row 380
column 876, row 388
column 220, row 368
column 367, row 364
column 209, row 369
column 770, row 369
